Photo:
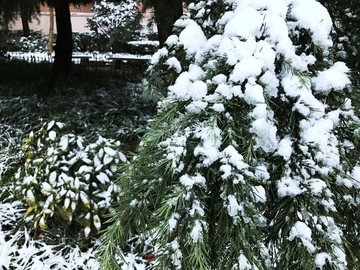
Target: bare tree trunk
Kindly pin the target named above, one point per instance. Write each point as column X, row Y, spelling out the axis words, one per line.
column 51, row 30
column 63, row 47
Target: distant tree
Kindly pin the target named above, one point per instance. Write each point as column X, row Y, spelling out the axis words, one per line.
column 11, row 10
column 27, row 9
column 252, row 161
column 8, row 12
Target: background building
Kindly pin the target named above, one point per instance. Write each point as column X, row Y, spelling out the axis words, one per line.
column 79, row 16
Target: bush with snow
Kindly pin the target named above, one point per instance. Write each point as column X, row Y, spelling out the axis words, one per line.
column 252, row 161
column 36, row 42
column 117, row 21
column 65, row 182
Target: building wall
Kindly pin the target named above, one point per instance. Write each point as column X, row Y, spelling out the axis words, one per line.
column 79, row 16
column 73, row 8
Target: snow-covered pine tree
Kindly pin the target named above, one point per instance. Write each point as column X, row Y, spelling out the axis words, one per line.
column 252, row 161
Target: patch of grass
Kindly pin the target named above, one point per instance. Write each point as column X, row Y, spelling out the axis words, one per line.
column 20, row 78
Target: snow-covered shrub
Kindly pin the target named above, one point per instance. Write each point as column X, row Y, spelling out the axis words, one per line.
column 117, row 21
column 252, row 161
column 66, row 182
column 36, row 42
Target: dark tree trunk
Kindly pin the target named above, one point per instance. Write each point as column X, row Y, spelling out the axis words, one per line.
column 25, row 21
column 166, row 13
column 63, row 47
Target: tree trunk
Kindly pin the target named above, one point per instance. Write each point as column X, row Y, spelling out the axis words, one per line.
column 51, row 29
column 166, row 13
column 25, row 20
column 63, row 47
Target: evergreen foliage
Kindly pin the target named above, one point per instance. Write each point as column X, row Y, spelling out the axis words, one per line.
column 65, row 183
column 252, row 161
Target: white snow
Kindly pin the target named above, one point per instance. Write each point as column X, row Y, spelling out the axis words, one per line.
column 316, row 186
column 356, row 176
column 210, row 143
column 254, row 94
column 197, row 231
column 313, row 16
column 198, row 90
column 289, row 187
column 333, row 78
column 271, row 83
column 172, row 40
column 247, row 67
column 176, row 254
column 245, row 23
column 234, row 158
column 319, row 133
column 285, row 148
column 52, row 135
column 172, row 62
column 189, row 181
column 265, row 135
column 244, row 263
column 192, row 37
column 173, row 220
column 261, row 173
column 321, row 258
column 260, row 194
column 303, row 232
column 233, row 207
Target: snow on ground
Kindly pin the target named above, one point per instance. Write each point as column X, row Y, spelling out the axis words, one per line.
column 20, row 251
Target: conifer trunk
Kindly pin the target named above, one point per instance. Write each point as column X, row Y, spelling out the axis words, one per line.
column 63, row 47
